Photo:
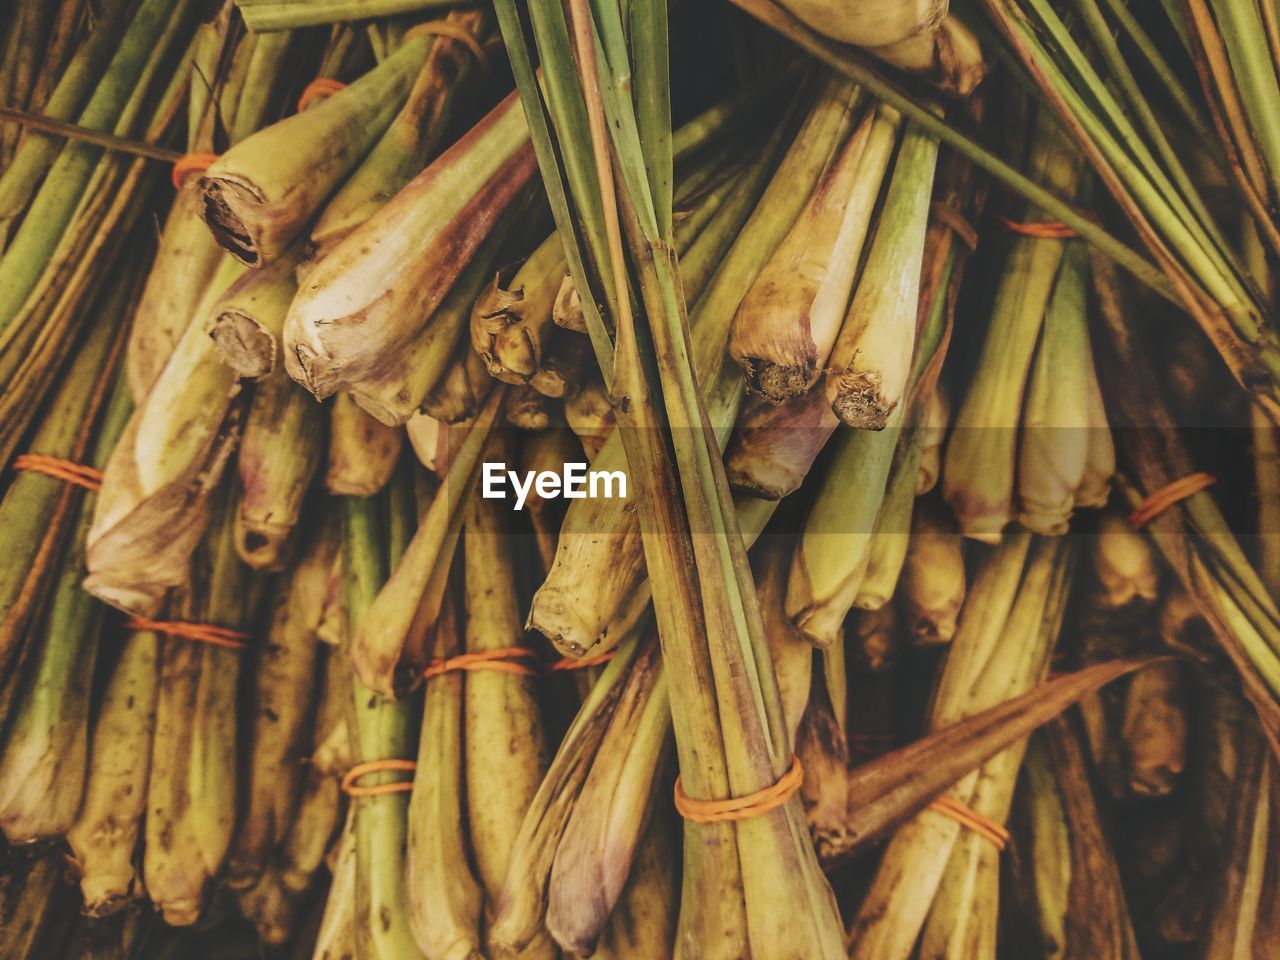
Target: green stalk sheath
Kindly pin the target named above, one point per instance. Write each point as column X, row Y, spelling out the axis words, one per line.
column 44, row 757
column 381, row 729
column 267, row 15
column 52, row 209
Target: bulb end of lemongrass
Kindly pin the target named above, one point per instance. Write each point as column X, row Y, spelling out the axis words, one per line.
column 860, row 401
column 567, row 309
column 263, row 546
column 777, row 382
column 222, row 198
column 245, row 346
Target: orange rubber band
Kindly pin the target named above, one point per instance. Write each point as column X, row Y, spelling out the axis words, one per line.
column 190, row 163
column 199, row 632
column 505, row 660
column 1044, row 230
column 452, row 31
column 317, row 88
column 984, row 826
column 956, row 222
column 377, row 766
column 568, row 663
column 68, row 470
column 740, row 808
column 1167, row 496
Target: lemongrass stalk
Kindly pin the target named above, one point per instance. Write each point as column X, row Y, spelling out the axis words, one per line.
column 1100, row 454
column 1125, row 564
column 889, row 541
column 527, row 409
column 37, row 152
column 279, row 453
column 594, row 575
column 868, row 23
column 935, row 420
column 192, row 789
column 336, row 938
column 36, row 509
column 589, row 413
column 462, row 388
column 871, row 359
column 1154, row 729
column 792, row 654
column 153, row 506
column 429, row 439
column 104, row 836
column 445, row 903
column 374, row 292
column 1001, row 648
column 822, row 747
column 949, row 57
column 382, row 729
column 933, row 576
column 438, row 369
column 511, row 325
column 1254, row 71
column 1053, row 436
column 831, row 558
column 53, row 207
column 283, row 709
column 250, row 316
column 785, row 326
column 505, row 749
column 363, row 452
column 567, row 309
column 595, row 855
column 522, row 904
column 978, row 478
column 548, row 449
column 873, row 637
column 643, row 923
column 269, row 15
column 260, row 194
column 412, row 137
column 44, row 756
column 773, row 446
column 410, row 601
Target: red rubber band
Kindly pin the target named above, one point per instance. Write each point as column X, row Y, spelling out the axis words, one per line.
column 741, row 808
column 190, row 163
column 317, row 88
column 1167, row 496
column 982, row 825
column 66, row 470
column 505, row 660
column 377, row 766
column 199, row 632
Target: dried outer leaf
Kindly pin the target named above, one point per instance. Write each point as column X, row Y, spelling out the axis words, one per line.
column 36, row 511
column 869, row 23
column 567, row 309
column 520, row 907
column 934, row 422
column 372, row 295
column 567, row 362
column 871, row 362
column 336, row 938
column 1154, row 730
column 461, row 390
column 792, row 653
column 261, row 194
column 429, row 439
column 412, row 137
column 193, row 783
column 44, row 752
column 600, row 841
column 284, row 436
column 284, row 708
column 444, row 901
column 104, row 838
column 250, row 317
column 273, row 910
column 511, row 320
column 949, row 56
column 153, row 506
column 874, row 638
column 363, row 452
column 824, row 751
column 409, row 603
column 589, row 413
column 888, row 790
column 933, row 576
